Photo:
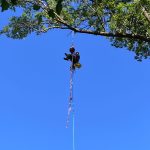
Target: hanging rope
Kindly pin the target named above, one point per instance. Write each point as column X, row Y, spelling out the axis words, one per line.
column 71, row 80
column 73, row 131
column 73, row 124
column 70, row 108
column 72, row 42
column 74, row 57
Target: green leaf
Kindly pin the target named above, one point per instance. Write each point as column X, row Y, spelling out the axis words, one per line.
column 36, row 7
column 5, row 5
column 51, row 13
column 14, row 2
column 59, row 7
column 39, row 18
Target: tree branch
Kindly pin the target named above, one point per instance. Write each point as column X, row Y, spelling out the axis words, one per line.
column 106, row 34
column 121, row 35
column 147, row 16
column 65, row 25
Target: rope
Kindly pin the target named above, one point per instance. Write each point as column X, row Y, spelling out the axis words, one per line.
column 71, row 86
column 70, row 96
column 73, row 129
column 71, row 106
column 73, row 126
column 73, row 35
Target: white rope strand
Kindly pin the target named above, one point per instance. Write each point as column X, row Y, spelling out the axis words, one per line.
column 70, row 97
column 73, row 131
column 71, row 106
column 73, row 35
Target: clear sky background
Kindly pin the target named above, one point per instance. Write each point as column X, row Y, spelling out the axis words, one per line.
column 111, row 94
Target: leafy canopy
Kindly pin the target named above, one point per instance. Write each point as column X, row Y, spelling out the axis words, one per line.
column 126, row 23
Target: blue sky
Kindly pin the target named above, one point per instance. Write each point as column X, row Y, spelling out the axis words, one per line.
column 111, row 94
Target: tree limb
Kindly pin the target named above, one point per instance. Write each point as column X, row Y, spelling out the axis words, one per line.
column 147, row 16
column 66, row 25
column 106, row 34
